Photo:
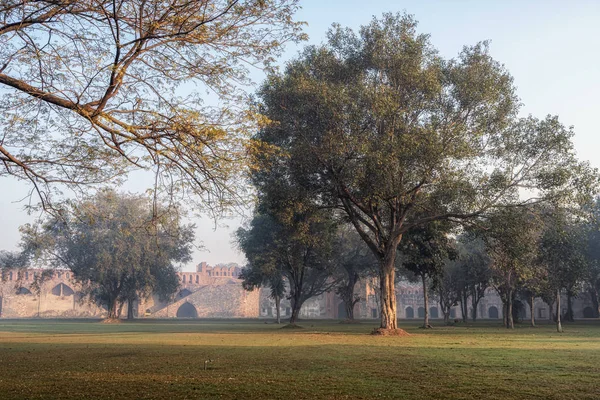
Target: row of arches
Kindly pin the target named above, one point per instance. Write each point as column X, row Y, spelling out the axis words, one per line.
column 59, row 290
column 434, row 312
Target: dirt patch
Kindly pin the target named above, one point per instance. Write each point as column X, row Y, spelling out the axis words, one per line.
column 292, row 326
column 111, row 321
column 389, row 332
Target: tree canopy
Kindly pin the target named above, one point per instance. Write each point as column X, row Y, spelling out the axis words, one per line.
column 119, row 248
column 93, row 89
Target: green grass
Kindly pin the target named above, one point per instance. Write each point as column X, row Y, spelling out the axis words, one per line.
column 326, row 360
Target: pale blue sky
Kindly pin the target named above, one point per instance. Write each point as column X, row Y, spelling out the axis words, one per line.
column 550, row 47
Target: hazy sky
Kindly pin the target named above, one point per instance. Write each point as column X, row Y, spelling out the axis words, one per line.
column 550, row 47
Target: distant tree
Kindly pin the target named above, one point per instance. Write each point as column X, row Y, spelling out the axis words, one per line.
column 354, row 261
column 300, row 250
column 256, row 277
column 448, row 287
column 534, row 286
column 424, row 252
column 511, row 239
column 94, row 89
column 474, row 268
column 561, row 252
column 120, row 248
column 592, row 255
column 379, row 126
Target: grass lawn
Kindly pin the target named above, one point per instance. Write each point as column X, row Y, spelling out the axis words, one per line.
column 326, row 360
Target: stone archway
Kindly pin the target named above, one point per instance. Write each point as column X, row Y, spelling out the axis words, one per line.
column 342, row 314
column 23, row 290
column 588, row 312
column 187, row 310
column 493, row 312
column 421, row 312
column 410, row 312
column 62, row 290
column 433, row 312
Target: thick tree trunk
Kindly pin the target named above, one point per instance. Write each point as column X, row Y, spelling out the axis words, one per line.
column 570, row 316
column 277, row 305
column 504, row 313
column 296, row 306
column 510, row 323
column 426, row 303
column 387, row 277
column 130, row 315
column 532, row 310
column 558, row 324
column 112, row 309
column 349, row 310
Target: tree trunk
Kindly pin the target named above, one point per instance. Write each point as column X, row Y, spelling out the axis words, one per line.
column 296, row 306
column 558, row 324
column 130, row 315
column 504, row 313
column 112, row 309
column 349, row 310
column 569, row 316
column 464, row 306
column 532, row 310
column 474, row 304
column 426, row 303
column 387, row 277
column 446, row 317
column 277, row 305
column 594, row 295
column 510, row 323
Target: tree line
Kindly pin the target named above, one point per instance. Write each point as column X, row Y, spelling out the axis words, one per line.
column 372, row 134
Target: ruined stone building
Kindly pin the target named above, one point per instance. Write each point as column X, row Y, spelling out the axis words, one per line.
column 216, row 292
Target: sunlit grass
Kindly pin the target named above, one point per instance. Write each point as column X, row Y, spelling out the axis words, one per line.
column 250, row 359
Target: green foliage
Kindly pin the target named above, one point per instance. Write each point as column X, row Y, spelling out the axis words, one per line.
column 378, row 125
column 117, row 246
column 295, row 245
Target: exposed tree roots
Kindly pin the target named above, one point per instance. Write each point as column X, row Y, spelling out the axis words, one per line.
column 389, row 332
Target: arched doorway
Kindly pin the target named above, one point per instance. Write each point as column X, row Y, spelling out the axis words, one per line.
column 519, row 313
column 433, row 312
column 410, row 313
column 342, row 314
column 62, row 290
column 23, row 290
column 421, row 312
column 588, row 312
column 493, row 312
column 187, row 310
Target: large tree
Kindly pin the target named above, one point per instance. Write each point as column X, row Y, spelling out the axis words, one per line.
column 379, row 126
column 120, row 248
column 93, row 89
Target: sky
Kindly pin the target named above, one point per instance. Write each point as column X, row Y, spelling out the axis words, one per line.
column 550, row 47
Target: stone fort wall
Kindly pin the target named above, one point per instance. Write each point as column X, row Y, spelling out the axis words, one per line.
column 216, row 292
